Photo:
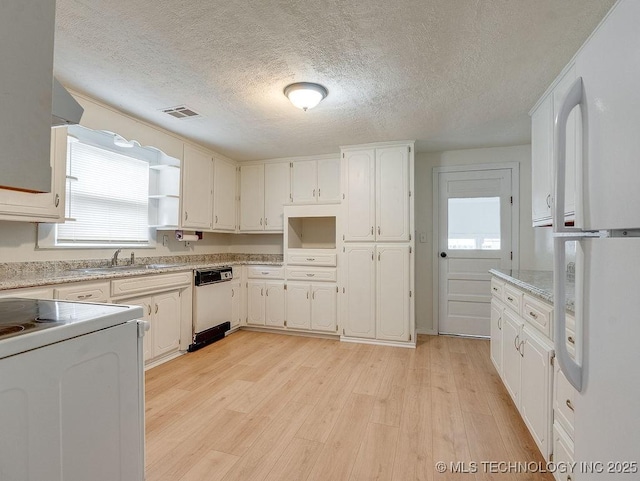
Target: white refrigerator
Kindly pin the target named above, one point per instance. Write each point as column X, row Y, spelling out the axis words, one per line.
column 606, row 372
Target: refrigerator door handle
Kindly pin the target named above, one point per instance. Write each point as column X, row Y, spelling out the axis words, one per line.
column 571, row 101
column 571, row 369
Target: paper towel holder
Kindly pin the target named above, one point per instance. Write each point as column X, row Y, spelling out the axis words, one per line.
column 181, row 236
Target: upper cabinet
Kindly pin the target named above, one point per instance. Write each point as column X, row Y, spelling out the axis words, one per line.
column 315, row 181
column 542, row 145
column 377, row 194
column 264, row 189
column 224, row 195
column 197, row 189
column 26, row 82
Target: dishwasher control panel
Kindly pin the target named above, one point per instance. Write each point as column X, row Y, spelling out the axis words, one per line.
column 211, row 276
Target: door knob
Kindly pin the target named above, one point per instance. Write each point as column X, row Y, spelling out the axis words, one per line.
column 443, row 254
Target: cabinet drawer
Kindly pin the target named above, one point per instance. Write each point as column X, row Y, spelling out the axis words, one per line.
column 312, row 259
column 89, row 292
column 311, row 274
column 133, row 285
column 513, row 298
column 29, row 293
column 563, row 401
column 265, row 272
column 537, row 313
column 497, row 288
column 562, row 453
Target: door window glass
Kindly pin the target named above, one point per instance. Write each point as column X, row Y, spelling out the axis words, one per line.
column 474, row 223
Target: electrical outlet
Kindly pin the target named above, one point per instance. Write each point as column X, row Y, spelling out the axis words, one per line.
column 423, row 237
column 165, row 240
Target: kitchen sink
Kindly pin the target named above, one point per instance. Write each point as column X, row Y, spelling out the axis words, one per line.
column 107, row 269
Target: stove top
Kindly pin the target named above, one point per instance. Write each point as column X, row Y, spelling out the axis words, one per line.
column 22, row 316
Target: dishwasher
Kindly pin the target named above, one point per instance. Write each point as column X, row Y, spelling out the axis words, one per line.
column 211, row 306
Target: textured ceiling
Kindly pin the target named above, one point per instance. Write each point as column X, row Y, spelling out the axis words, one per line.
column 447, row 73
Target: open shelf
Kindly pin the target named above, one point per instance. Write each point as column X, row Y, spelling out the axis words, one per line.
column 311, row 233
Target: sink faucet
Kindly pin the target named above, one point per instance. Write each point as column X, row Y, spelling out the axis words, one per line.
column 114, row 259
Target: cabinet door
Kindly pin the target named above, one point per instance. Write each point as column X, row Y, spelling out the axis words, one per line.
column 166, row 322
column 536, row 388
column 392, row 293
column 328, row 180
column 251, row 197
column 276, row 194
column 255, row 303
column 147, row 340
column 304, row 182
column 358, row 316
column 359, row 187
column 274, row 314
column 323, row 307
column 236, row 299
column 574, row 140
column 541, row 164
column 510, row 354
column 197, row 188
column 496, row 334
column 298, row 305
column 224, row 196
column 392, row 194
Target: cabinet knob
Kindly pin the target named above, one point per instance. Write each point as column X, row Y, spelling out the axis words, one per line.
column 571, row 340
column 569, row 404
column 533, row 314
column 443, row 254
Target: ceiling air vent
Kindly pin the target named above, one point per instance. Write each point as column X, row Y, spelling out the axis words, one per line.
column 181, row 112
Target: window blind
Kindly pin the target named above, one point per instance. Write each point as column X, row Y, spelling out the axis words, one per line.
column 107, row 198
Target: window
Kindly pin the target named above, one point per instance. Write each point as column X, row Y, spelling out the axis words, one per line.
column 107, row 193
column 474, row 223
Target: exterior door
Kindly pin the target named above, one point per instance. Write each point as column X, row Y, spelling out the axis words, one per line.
column 475, row 230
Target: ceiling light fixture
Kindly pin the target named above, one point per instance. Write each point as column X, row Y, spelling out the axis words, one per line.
column 305, row 95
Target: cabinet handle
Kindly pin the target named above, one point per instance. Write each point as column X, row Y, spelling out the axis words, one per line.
column 521, row 348
column 372, row 256
column 310, row 275
column 569, row 404
column 318, row 193
column 571, row 340
column 378, row 256
column 232, row 292
column 264, row 273
column 378, row 230
column 371, row 230
column 510, row 298
column 186, row 215
column 57, row 201
column 516, row 342
column 267, row 293
column 266, row 221
column 216, row 219
column 549, row 201
column 313, row 295
column 262, row 292
column 533, row 314
column 500, row 323
column 85, row 296
column 307, row 294
column 156, row 308
column 149, row 306
column 260, row 220
column 311, row 259
column 314, row 193
column 569, row 478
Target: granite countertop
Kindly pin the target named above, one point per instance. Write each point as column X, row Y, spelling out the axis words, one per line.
column 33, row 274
column 537, row 283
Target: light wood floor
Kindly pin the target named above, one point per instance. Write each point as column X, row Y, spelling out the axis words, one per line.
column 271, row 407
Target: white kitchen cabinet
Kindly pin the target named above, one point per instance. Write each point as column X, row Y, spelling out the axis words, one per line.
column 84, row 291
column 236, row 304
column 264, row 189
column 252, row 197
column 44, row 207
column 197, row 189
column 359, row 187
column 497, row 309
column 536, row 387
column 359, row 316
column 511, row 357
column 392, row 292
column 564, row 395
column 542, row 145
column 266, row 303
column 276, row 193
column 224, row 195
column 315, row 181
column 392, row 194
column 563, row 455
column 164, row 315
column 312, row 306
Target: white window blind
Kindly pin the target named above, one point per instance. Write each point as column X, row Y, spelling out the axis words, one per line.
column 107, row 198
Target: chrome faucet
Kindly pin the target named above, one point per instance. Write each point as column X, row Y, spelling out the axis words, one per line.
column 114, row 259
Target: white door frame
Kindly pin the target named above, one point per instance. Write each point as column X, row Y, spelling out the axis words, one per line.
column 515, row 222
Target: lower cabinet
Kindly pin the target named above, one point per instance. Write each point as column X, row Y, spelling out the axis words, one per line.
column 312, row 306
column 163, row 312
column 236, row 304
column 497, row 310
column 377, row 294
column 511, row 356
column 266, row 304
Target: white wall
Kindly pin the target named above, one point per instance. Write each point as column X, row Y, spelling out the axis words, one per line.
column 535, row 244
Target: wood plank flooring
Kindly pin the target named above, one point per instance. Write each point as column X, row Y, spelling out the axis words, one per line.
column 269, row 407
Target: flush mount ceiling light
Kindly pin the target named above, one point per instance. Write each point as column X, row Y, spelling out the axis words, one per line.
column 305, row 95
